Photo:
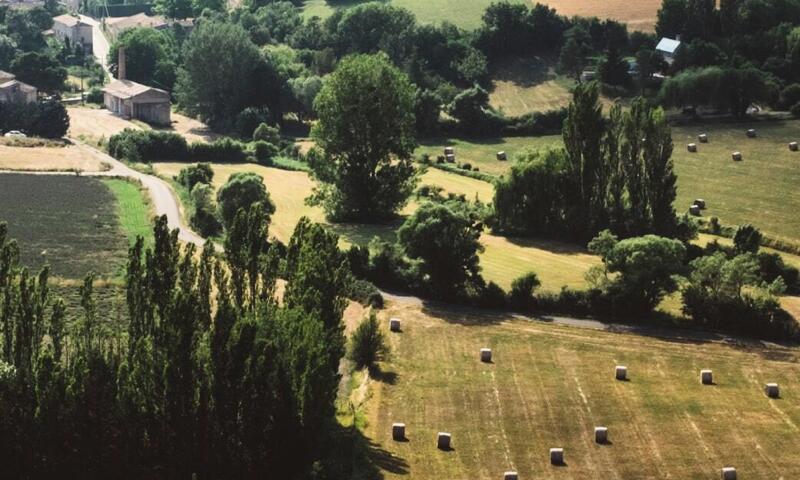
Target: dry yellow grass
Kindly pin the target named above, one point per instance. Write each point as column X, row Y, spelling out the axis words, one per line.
column 550, row 385
column 638, row 14
column 47, row 158
column 95, row 123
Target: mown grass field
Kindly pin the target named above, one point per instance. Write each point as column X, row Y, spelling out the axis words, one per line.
column 503, row 260
column 550, row 385
column 639, row 15
column 523, row 85
column 761, row 190
column 68, row 222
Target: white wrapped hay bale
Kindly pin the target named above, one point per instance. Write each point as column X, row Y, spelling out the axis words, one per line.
column 736, row 156
column 772, row 390
column 450, row 158
column 501, row 156
column 394, row 324
column 694, row 210
column 621, row 372
column 692, row 147
column 510, row 476
column 557, row 456
column 700, row 203
column 398, row 431
column 486, row 355
column 706, row 377
column 751, row 133
column 793, row 146
column 443, row 441
column 728, row 473
column 449, row 151
column 601, row 434
column 702, row 138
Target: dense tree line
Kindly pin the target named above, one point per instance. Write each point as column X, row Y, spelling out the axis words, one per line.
column 210, row 378
column 613, row 172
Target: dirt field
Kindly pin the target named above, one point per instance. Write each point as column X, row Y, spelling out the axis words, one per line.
column 94, row 123
column 638, row 14
column 550, row 385
column 47, row 158
column 193, row 130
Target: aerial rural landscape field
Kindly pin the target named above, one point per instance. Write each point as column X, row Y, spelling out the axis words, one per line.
column 380, row 240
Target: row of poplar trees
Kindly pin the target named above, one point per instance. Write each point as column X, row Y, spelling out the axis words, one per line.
column 212, row 378
column 613, row 172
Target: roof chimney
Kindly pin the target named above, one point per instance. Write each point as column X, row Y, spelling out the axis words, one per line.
column 121, row 64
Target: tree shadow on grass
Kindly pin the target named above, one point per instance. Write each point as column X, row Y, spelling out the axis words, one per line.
column 451, row 142
column 552, row 246
column 463, row 315
column 358, row 457
column 523, row 72
column 383, row 376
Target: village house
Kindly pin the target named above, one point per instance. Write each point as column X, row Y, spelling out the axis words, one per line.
column 70, row 29
column 131, row 100
column 114, row 26
column 668, row 48
column 14, row 91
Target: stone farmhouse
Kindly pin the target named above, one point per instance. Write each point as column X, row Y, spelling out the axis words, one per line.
column 131, row 100
column 70, row 29
column 14, row 91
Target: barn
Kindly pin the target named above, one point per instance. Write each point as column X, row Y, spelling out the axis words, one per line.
column 133, row 100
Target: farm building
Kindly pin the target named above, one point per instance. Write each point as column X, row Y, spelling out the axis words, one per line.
column 71, row 30
column 114, row 26
column 668, row 48
column 129, row 99
column 14, row 91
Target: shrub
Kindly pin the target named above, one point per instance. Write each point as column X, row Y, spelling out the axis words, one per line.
column 264, row 152
column 242, row 190
column 522, row 288
column 364, row 292
column 148, row 146
column 194, row 174
column 267, row 133
column 492, row 296
column 224, row 150
column 747, row 239
column 95, row 95
column 466, row 166
column 249, row 119
column 367, row 345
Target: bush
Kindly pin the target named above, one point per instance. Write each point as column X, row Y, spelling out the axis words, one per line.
column 492, row 296
column 536, row 123
column 522, row 289
column 249, row 119
column 364, row 292
column 264, row 152
column 367, row 345
column 466, row 166
column 46, row 119
column 242, row 190
column 224, row 150
column 194, row 174
column 267, row 133
column 148, row 146
column 95, row 95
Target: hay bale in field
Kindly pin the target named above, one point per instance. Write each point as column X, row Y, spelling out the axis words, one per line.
column 557, row 456
column 394, row 324
column 692, row 147
column 706, row 377
column 398, row 431
column 443, row 441
column 450, row 158
column 728, row 473
column 793, row 146
column 694, row 210
column 486, row 355
column 736, row 156
column 449, row 151
column 621, row 372
column 510, row 476
column 751, row 133
column 700, row 203
column 702, row 138
column 601, row 434
column 772, row 390
column 501, row 156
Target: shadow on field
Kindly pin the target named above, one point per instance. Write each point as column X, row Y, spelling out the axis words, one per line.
column 358, row 457
column 561, row 248
column 467, row 316
column 449, row 142
column 523, row 71
column 383, row 376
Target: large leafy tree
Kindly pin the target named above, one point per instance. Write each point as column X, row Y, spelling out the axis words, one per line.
column 446, row 239
column 366, row 131
column 40, row 70
column 242, row 190
column 150, row 57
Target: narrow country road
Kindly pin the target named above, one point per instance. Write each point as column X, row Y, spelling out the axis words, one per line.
column 99, row 42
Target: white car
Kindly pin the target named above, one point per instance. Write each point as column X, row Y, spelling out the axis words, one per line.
column 15, row 133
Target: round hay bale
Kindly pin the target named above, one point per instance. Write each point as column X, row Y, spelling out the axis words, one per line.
column 702, row 138
column 751, row 133
column 692, row 147
column 398, row 431
column 793, row 146
column 501, row 156
column 707, row 377
column 621, row 372
column 700, row 203
column 486, row 355
column 443, row 441
column 736, row 156
column 601, row 435
column 394, row 324
column 728, row 473
column 557, row 456
column 772, row 390
column 694, row 210
column 449, row 151
column 450, row 158
column 510, row 476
